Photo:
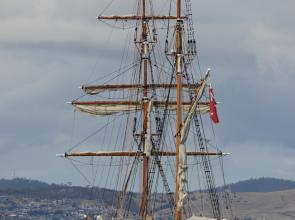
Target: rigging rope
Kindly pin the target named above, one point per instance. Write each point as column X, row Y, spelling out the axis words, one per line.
column 91, row 135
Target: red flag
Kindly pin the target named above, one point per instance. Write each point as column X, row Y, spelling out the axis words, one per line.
column 212, row 106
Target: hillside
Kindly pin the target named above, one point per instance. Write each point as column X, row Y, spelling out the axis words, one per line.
column 21, row 183
column 277, row 205
column 38, row 189
column 265, row 184
column 251, row 199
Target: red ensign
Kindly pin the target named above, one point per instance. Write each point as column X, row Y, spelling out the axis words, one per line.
column 212, row 106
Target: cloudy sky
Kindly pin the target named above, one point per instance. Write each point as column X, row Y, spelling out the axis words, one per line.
column 50, row 47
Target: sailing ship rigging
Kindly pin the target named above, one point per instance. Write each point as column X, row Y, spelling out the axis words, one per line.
column 163, row 105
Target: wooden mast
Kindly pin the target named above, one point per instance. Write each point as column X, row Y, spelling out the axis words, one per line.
column 178, row 57
column 145, row 165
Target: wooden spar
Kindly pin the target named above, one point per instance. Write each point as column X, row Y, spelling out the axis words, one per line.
column 135, row 86
column 155, row 103
column 137, row 17
column 91, row 89
column 136, row 154
column 145, row 166
column 178, row 61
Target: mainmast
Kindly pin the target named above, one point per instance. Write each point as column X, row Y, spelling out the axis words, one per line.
column 145, row 166
column 178, row 58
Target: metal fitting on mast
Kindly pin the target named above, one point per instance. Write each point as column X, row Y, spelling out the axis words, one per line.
column 145, row 50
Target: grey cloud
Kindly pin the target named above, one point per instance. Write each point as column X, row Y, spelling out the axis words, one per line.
column 48, row 48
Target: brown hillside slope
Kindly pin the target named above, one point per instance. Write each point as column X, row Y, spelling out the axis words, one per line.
column 278, row 205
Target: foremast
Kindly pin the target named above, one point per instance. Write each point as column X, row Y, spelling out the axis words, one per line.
column 178, row 58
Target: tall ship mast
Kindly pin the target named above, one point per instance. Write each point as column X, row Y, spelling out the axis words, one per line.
column 163, row 103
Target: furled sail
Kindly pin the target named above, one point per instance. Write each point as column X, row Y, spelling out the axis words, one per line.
column 113, row 107
column 104, row 109
column 184, row 133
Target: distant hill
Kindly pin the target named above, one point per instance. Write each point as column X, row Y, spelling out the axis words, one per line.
column 21, row 187
column 265, row 184
column 35, row 188
column 21, row 183
column 251, row 199
column 263, row 198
